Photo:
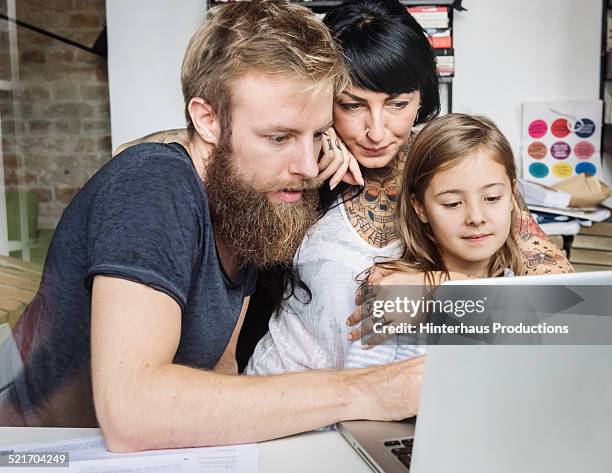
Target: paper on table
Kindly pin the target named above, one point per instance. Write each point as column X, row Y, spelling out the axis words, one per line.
column 89, row 455
column 146, row 464
column 598, row 214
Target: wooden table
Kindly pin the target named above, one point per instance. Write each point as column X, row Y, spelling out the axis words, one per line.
column 19, row 281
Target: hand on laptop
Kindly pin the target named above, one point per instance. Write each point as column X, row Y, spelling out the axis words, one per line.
column 393, row 390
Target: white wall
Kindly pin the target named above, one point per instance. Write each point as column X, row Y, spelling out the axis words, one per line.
column 511, row 51
column 146, row 42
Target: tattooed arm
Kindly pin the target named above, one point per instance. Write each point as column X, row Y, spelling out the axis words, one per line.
column 178, row 135
column 540, row 254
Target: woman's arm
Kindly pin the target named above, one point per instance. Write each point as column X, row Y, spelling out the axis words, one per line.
column 178, row 135
column 540, row 254
column 380, row 277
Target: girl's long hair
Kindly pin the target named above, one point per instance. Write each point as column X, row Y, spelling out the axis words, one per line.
column 439, row 146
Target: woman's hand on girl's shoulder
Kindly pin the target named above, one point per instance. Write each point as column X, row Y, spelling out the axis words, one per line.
column 406, row 277
column 362, row 324
column 337, row 163
column 379, row 276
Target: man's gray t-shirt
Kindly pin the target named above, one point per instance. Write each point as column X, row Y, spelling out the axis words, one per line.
column 143, row 217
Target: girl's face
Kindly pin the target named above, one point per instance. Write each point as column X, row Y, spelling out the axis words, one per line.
column 468, row 208
column 375, row 125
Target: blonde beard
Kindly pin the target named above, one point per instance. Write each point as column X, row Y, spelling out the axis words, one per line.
column 257, row 232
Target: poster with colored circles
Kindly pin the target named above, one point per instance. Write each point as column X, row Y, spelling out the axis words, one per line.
column 560, row 140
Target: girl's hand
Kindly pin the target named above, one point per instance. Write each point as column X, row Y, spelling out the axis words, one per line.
column 337, row 162
column 380, row 277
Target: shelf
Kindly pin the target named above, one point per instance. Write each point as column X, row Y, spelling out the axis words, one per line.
column 607, row 138
column 331, row 3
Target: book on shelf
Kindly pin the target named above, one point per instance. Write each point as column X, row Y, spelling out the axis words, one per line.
column 608, row 65
column 445, row 61
column 583, row 268
column 592, row 242
column 444, row 52
column 592, row 248
column 561, row 228
column 589, row 256
column 598, row 214
column 561, row 220
column 440, row 39
column 609, row 30
column 445, row 65
column 538, row 194
column 430, row 16
column 545, row 217
column 601, row 229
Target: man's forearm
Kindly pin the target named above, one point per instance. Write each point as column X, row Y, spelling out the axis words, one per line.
column 143, row 401
column 175, row 406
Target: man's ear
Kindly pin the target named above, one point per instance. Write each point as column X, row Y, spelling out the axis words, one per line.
column 205, row 120
column 418, row 208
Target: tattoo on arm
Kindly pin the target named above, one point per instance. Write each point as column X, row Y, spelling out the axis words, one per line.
column 540, row 255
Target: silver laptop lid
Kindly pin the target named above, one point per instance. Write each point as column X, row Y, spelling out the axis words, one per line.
column 515, row 408
column 594, row 278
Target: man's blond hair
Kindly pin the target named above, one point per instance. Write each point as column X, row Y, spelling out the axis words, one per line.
column 270, row 36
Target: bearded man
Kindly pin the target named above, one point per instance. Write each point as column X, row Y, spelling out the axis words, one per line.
column 152, row 264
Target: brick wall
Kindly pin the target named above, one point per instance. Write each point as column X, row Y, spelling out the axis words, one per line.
column 63, row 136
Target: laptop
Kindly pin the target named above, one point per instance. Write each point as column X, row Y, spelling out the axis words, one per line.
column 502, row 408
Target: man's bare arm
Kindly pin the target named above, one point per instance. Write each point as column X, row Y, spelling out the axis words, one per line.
column 178, row 135
column 540, row 254
column 145, row 401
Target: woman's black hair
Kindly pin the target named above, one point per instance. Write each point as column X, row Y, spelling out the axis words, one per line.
column 386, row 50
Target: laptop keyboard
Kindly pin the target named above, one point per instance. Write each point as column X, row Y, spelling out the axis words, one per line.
column 402, row 449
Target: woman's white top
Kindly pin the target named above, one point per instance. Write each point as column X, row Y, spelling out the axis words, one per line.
column 305, row 336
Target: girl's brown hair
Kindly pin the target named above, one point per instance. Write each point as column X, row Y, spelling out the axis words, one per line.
column 439, row 146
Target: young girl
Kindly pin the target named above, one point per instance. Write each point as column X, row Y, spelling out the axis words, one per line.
column 456, row 206
column 459, row 199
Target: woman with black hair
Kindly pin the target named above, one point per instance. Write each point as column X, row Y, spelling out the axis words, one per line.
column 394, row 87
